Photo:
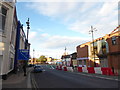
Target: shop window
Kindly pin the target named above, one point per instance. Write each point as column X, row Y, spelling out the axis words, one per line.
column 114, row 40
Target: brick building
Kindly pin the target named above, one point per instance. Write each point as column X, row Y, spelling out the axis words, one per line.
column 83, row 54
column 107, row 51
column 113, row 55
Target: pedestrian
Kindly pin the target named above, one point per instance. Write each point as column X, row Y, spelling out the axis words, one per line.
column 24, row 68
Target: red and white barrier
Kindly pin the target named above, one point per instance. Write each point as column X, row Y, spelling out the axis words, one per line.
column 70, row 69
column 106, row 71
column 90, row 69
column 84, row 69
column 56, row 67
column 65, row 68
column 96, row 70
column 59, row 67
column 62, row 67
column 79, row 69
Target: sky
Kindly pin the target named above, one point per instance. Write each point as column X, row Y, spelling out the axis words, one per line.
column 56, row 24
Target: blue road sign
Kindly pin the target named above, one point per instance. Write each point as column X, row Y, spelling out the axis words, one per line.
column 23, row 54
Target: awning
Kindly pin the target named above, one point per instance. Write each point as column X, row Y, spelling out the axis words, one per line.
column 84, row 58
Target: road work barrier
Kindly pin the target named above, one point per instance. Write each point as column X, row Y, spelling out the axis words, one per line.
column 106, row 71
column 90, row 69
column 56, row 67
column 84, row 69
column 97, row 70
column 79, row 69
column 70, row 69
column 60, row 67
column 65, row 68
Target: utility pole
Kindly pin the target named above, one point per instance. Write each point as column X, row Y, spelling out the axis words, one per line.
column 92, row 32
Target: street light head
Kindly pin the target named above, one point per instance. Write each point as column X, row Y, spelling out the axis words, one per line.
column 28, row 22
column 28, row 27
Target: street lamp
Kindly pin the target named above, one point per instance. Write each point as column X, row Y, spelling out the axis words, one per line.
column 65, row 56
column 33, row 56
column 26, row 45
column 92, row 32
column 28, row 27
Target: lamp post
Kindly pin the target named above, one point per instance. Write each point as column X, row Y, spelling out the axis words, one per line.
column 92, row 32
column 65, row 56
column 28, row 27
column 33, row 56
column 26, row 46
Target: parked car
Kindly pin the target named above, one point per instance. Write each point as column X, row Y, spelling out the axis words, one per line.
column 38, row 68
column 30, row 65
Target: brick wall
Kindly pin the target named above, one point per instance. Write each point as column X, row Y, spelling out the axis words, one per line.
column 82, row 51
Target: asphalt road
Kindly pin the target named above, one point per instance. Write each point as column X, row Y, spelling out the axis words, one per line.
column 52, row 78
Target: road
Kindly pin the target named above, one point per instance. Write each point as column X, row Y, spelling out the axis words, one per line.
column 52, row 78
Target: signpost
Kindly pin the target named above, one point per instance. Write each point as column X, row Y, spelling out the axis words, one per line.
column 23, row 54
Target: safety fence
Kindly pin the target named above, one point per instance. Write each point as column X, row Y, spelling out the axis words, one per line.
column 97, row 70
column 94, row 70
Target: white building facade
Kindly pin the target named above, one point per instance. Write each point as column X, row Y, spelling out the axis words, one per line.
column 8, row 26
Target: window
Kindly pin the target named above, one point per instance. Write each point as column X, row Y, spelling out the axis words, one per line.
column 113, row 40
column 3, row 13
column 103, row 47
column 95, row 48
column 13, row 32
column 11, row 63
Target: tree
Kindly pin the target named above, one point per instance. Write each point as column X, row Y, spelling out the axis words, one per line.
column 37, row 60
column 42, row 58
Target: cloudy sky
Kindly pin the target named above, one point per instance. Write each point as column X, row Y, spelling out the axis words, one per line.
column 62, row 23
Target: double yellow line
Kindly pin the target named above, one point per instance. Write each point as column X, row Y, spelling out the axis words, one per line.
column 34, row 84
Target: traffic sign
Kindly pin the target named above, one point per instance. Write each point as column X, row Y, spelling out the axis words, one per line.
column 23, row 54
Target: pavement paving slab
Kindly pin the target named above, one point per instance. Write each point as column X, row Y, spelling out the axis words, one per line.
column 17, row 80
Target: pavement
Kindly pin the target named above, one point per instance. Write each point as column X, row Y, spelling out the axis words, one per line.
column 18, row 81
